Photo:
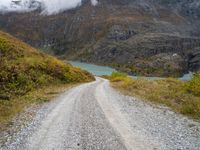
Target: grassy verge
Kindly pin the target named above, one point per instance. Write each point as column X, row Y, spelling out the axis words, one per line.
column 10, row 108
column 182, row 97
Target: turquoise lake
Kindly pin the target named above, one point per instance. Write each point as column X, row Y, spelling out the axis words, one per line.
column 104, row 70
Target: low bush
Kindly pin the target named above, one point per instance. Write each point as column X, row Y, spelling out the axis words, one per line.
column 193, row 86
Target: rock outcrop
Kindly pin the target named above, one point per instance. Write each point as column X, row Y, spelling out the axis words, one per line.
column 124, row 34
column 194, row 60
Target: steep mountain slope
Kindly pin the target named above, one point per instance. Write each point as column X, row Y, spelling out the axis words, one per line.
column 137, row 36
column 29, row 77
column 23, row 69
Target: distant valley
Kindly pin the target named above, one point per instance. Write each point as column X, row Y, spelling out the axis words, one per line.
column 140, row 37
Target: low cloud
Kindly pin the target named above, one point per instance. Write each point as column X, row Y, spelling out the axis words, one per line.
column 48, row 6
column 56, row 6
column 94, row 2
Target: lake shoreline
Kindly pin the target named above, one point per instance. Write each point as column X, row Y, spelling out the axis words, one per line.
column 99, row 70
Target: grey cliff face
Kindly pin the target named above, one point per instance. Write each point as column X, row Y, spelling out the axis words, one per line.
column 126, row 34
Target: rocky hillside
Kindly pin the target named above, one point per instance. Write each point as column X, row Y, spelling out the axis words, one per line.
column 148, row 37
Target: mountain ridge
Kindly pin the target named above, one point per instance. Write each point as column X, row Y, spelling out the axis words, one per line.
column 130, row 29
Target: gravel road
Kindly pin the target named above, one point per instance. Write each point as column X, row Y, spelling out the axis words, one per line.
column 93, row 116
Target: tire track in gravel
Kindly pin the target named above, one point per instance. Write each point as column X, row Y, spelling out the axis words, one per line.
column 93, row 116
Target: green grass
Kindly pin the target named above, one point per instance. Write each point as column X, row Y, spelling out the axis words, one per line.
column 147, row 70
column 24, row 70
column 182, row 97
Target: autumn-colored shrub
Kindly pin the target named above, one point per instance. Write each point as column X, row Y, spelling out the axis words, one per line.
column 26, row 73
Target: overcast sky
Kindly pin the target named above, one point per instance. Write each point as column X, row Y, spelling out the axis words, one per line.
column 49, row 6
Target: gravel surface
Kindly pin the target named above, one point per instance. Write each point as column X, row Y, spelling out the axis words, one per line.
column 93, row 116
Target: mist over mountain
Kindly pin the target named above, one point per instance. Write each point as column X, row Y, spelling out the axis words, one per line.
column 143, row 37
column 46, row 6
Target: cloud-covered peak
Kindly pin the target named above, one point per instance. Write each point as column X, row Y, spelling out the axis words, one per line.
column 47, row 6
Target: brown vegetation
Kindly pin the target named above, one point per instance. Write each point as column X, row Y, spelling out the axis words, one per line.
column 180, row 96
column 24, row 72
